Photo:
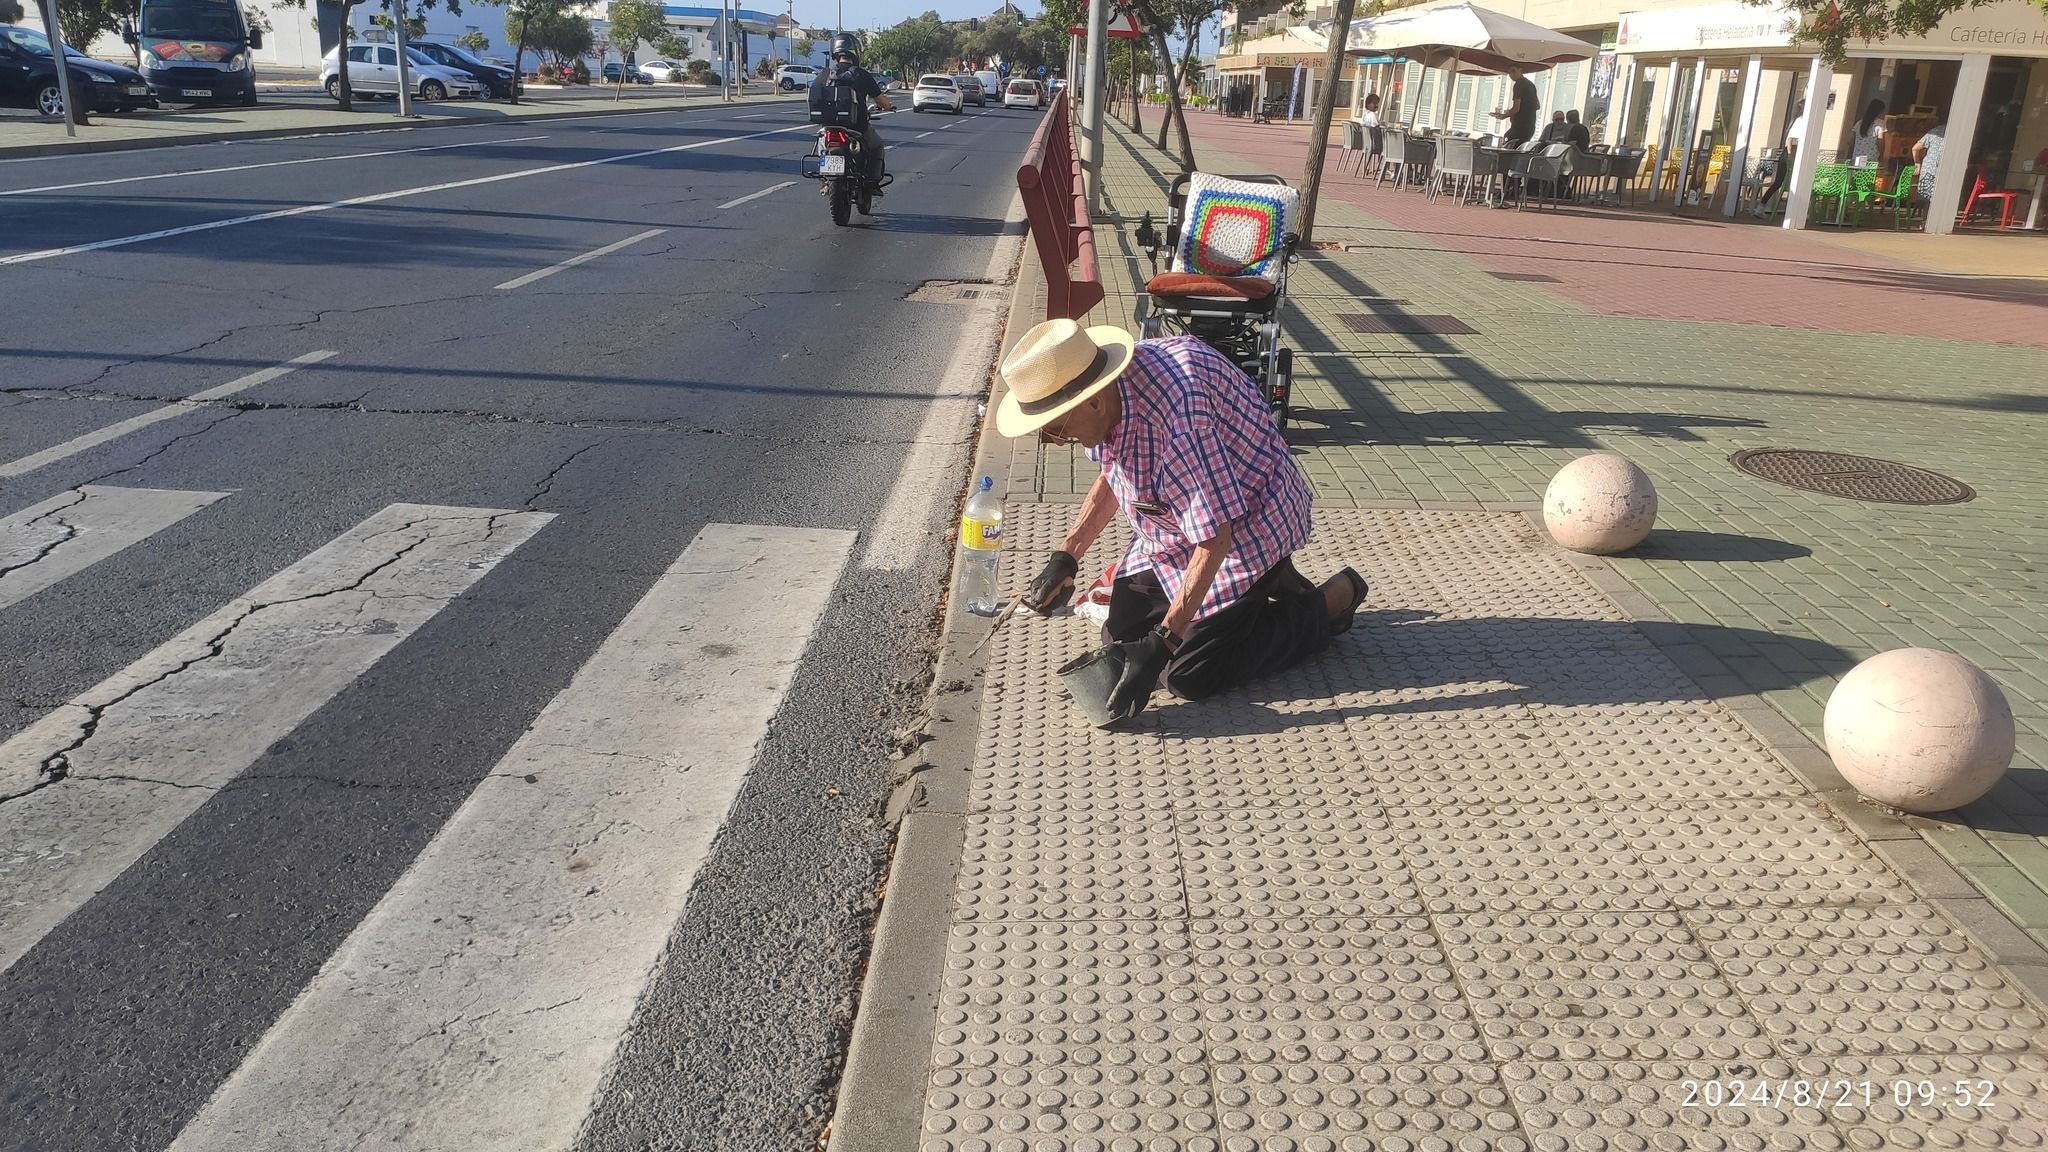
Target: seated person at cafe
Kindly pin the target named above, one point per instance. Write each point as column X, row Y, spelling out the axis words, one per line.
column 1554, row 132
column 1575, row 133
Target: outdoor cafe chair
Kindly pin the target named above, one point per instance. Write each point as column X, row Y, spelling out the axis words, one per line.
column 1593, row 167
column 1376, row 158
column 1546, row 168
column 1983, row 191
column 1902, row 197
column 1455, row 158
column 1393, row 159
column 1624, row 168
column 1354, row 143
column 1421, row 160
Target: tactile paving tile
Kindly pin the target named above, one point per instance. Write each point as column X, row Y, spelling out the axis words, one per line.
column 1067, row 1034
column 1309, row 863
column 1329, row 991
column 1388, row 1107
column 1866, row 981
column 1602, row 1106
column 1921, row 1102
column 1076, row 864
column 1599, row 986
column 1647, row 857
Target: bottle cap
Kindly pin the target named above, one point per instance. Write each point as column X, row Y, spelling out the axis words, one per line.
column 987, row 482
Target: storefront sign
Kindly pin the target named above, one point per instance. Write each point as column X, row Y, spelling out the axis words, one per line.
column 1706, row 27
column 2004, row 27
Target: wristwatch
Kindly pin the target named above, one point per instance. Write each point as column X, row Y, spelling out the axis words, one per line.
column 1166, row 637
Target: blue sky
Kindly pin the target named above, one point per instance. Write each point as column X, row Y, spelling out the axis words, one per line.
column 882, row 13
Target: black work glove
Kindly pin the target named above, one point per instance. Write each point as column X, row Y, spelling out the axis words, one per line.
column 1055, row 583
column 1144, row 659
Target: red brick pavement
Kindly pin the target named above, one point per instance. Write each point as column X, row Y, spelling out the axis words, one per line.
column 1648, row 263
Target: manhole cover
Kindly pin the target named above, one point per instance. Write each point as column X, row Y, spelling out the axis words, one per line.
column 1411, row 325
column 1856, row 477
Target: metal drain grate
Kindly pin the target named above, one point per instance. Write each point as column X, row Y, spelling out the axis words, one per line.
column 1525, row 277
column 1854, row 477
column 1408, row 325
column 948, row 291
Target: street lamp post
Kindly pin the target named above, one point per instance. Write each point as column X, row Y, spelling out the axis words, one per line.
column 404, row 73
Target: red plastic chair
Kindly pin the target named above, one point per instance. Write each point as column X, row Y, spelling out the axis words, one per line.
column 1978, row 191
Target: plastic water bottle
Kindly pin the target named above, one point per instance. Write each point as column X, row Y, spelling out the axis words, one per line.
column 981, row 543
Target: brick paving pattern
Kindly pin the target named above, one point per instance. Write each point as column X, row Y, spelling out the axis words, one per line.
column 1750, row 587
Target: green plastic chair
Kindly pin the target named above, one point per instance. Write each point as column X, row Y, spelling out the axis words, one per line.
column 1830, row 182
column 1901, row 197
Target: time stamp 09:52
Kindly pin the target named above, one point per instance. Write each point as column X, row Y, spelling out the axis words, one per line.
column 1830, row 1094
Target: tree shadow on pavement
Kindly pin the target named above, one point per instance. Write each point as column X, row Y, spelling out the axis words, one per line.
column 1369, row 416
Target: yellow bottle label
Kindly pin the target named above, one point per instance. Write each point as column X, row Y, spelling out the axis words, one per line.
column 981, row 535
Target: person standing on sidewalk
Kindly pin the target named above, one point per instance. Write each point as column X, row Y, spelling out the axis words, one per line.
column 1207, row 593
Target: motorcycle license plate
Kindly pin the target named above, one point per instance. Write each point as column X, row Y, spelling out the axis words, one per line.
column 832, row 166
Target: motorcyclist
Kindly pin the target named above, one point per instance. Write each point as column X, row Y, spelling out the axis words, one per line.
column 845, row 69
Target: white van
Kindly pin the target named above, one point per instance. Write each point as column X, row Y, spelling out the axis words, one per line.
column 991, row 84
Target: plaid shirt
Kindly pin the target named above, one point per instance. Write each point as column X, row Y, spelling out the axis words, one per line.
column 1197, row 449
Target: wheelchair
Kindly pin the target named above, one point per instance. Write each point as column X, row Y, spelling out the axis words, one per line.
column 1231, row 241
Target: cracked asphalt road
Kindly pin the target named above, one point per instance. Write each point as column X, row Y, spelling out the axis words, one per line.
column 752, row 366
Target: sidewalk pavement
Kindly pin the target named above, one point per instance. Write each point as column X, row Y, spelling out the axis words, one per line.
column 24, row 136
column 1543, row 854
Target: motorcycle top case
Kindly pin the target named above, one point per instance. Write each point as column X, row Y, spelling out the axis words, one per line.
column 838, row 106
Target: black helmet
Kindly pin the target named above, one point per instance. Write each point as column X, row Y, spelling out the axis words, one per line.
column 845, row 44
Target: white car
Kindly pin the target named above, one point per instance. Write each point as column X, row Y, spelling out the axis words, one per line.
column 1021, row 94
column 936, row 91
column 373, row 70
column 663, row 71
column 791, row 77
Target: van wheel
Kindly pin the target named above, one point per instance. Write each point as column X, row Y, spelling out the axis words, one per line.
column 50, row 101
column 433, row 90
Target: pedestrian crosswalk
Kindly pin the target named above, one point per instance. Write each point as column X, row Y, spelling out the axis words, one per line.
column 479, row 1004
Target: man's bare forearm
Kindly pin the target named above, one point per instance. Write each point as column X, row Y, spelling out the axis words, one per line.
column 1096, row 512
column 1209, row 557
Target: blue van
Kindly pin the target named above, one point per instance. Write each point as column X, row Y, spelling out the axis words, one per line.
column 196, row 51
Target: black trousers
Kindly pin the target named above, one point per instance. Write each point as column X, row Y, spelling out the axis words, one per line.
column 871, row 145
column 1279, row 621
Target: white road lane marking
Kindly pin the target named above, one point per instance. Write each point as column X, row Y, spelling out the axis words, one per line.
column 70, row 532
column 100, row 780
column 937, row 456
column 573, row 261
column 758, row 195
column 378, row 198
column 920, row 135
column 175, row 408
column 252, row 167
column 481, row 1002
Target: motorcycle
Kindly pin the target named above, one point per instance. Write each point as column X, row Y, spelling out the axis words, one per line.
column 839, row 162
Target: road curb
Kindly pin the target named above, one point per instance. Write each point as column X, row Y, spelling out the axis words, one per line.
column 880, row 1103
column 91, row 147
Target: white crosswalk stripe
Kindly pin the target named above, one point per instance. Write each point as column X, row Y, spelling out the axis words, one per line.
column 68, row 533
column 479, row 1004
column 92, row 785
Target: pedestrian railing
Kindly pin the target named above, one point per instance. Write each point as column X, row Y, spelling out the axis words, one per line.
column 1056, row 206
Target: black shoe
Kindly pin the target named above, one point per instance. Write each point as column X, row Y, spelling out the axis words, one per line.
column 1359, row 589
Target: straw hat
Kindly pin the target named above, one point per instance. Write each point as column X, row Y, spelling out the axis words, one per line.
column 1056, row 366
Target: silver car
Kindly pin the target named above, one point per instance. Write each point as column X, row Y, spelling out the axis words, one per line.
column 373, row 70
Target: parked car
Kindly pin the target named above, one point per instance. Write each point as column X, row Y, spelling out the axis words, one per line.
column 936, row 91
column 614, row 72
column 663, row 71
column 28, row 77
column 497, row 81
column 1023, row 94
column 373, row 71
column 791, row 77
column 971, row 91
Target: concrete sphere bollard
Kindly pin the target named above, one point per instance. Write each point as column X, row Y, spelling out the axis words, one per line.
column 1600, row 503
column 1919, row 729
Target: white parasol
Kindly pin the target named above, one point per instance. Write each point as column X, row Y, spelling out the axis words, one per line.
column 1465, row 38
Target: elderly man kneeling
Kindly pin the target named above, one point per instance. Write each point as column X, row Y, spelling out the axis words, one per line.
column 1207, row 592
